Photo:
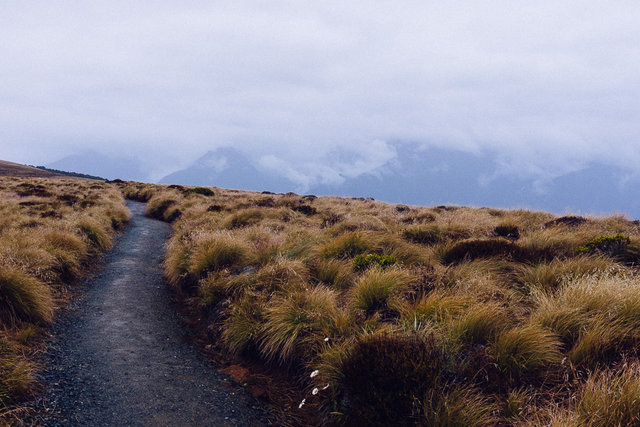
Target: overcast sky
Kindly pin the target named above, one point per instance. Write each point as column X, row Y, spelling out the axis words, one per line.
column 546, row 87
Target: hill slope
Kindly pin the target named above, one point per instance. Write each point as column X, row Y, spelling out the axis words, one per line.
column 16, row 169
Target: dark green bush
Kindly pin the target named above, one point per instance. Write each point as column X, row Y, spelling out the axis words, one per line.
column 172, row 215
column 362, row 262
column 305, row 209
column 431, row 234
column 508, row 231
column 157, row 208
column 385, row 376
column 201, row 190
column 476, row 249
column 571, row 221
column 609, row 245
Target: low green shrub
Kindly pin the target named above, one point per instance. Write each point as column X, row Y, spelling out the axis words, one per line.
column 305, row 209
column 610, row 245
column 201, row 190
column 362, row 262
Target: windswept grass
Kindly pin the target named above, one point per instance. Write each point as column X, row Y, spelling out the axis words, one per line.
column 50, row 231
column 406, row 315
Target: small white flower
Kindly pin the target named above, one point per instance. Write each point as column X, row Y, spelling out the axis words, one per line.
column 326, row 339
column 314, row 373
column 302, row 403
column 315, row 391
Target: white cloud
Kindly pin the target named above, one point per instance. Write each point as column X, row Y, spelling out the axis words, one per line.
column 549, row 86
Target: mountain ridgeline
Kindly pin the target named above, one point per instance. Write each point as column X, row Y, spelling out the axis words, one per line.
column 413, row 176
column 434, row 177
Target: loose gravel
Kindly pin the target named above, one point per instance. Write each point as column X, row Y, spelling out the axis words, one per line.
column 121, row 356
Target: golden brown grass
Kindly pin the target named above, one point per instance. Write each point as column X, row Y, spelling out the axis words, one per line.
column 50, row 229
column 521, row 329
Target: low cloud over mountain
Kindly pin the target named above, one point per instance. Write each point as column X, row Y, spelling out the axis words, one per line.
column 410, row 174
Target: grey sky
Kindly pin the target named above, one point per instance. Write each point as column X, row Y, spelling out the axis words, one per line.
column 546, row 87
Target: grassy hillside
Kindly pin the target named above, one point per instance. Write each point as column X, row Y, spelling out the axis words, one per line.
column 393, row 315
column 51, row 230
column 18, row 170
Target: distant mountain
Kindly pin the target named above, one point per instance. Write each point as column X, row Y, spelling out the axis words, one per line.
column 434, row 177
column 96, row 164
column 228, row 168
column 439, row 176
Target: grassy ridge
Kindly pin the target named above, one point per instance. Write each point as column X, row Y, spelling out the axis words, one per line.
column 437, row 316
column 50, row 231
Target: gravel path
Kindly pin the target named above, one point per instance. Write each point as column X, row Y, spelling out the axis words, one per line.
column 120, row 355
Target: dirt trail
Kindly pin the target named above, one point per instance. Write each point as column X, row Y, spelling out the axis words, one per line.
column 120, row 355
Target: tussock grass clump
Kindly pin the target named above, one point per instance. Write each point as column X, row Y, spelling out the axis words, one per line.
column 431, row 234
column 244, row 218
column 508, row 231
column 487, row 248
column 382, row 384
column 480, row 325
column 435, row 307
column 158, row 207
column 524, row 349
column 337, row 274
column 15, row 375
column 610, row 399
column 549, row 276
column 23, row 298
column 374, row 289
column 139, row 193
column 216, row 252
column 457, row 406
column 597, row 317
column 213, row 288
column 349, row 245
column 242, row 329
column 282, row 274
column 295, row 325
column 98, row 239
